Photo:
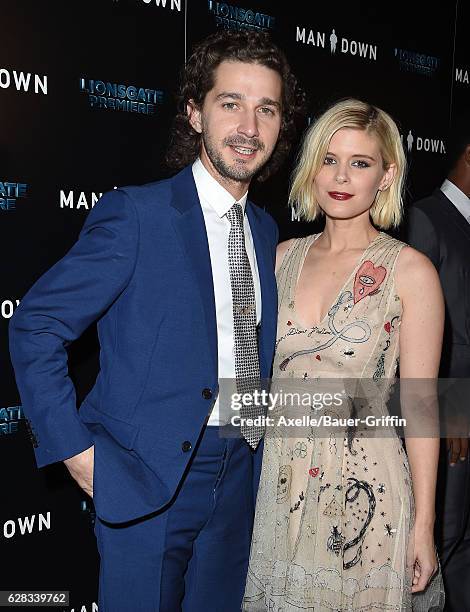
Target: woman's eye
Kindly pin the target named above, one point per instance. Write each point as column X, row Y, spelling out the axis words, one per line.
column 329, row 161
column 360, row 163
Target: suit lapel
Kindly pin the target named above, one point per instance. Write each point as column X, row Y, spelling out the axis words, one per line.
column 191, row 231
column 268, row 289
column 457, row 218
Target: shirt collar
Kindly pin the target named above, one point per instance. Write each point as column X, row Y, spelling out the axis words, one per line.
column 212, row 192
column 457, row 197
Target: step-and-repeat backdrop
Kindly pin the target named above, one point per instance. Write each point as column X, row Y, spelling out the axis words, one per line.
column 86, row 100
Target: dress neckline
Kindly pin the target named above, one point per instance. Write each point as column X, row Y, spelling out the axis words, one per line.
column 308, row 243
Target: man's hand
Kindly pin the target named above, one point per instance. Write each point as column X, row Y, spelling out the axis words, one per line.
column 81, row 468
column 458, row 448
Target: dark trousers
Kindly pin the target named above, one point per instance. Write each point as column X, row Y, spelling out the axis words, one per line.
column 453, row 531
column 192, row 557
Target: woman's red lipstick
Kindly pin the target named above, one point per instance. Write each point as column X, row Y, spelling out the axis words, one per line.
column 340, row 195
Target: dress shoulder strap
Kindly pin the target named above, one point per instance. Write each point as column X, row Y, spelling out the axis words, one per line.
column 384, row 252
column 289, row 270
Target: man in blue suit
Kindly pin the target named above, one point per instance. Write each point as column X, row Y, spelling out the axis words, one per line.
column 163, row 268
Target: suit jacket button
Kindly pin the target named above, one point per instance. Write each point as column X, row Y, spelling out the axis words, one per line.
column 207, row 393
column 186, row 446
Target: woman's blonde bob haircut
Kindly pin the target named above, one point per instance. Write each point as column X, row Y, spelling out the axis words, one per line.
column 387, row 208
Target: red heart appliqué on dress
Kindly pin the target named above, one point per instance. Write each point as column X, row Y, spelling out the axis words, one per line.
column 368, row 279
column 387, row 327
column 317, row 357
column 314, row 471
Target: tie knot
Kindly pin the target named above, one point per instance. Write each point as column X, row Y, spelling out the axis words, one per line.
column 235, row 215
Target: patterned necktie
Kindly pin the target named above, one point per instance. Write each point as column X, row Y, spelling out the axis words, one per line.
column 247, row 372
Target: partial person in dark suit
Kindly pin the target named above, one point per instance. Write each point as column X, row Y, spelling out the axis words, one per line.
column 179, row 275
column 439, row 226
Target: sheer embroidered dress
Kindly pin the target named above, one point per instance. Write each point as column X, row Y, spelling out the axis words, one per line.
column 334, row 514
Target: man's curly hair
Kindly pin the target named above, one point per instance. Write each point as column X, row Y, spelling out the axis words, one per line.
column 197, row 79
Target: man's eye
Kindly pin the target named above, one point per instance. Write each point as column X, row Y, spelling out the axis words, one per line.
column 266, row 111
column 360, row 163
column 229, row 105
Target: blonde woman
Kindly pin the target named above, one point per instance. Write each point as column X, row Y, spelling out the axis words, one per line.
column 346, row 523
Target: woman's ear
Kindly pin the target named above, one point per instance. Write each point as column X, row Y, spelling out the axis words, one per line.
column 388, row 177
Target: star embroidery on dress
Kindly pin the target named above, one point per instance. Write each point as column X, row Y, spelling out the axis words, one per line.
column 389, row 530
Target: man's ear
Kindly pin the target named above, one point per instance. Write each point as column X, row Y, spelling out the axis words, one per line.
column 467, row 155
column 194, row 116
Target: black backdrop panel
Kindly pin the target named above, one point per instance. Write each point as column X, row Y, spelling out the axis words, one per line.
column 68, row 147
column 86, row 101
column 461, row 65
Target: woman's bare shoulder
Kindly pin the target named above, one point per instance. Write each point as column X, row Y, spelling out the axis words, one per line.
column 415, row 272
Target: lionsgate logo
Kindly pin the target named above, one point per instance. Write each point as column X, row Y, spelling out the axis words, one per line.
column 461, row 76
column 418, row 142
column 9, row 194
column 72, row 199
column 337, row 44
column 230, row 17
column 419, row 63
column 10, row 418
column 120, row 97
column 23, row 81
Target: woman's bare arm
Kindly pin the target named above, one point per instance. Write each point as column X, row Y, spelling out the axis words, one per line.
column 418, row 286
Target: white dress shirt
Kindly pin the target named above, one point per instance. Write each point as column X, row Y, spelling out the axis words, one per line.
column 215, row 203
column 457, row 197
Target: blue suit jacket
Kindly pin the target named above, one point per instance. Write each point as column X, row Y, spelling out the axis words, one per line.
column 141, row 267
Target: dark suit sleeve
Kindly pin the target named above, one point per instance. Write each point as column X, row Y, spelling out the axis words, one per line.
column 420, row 233
column 57, row 309
column 274, row 234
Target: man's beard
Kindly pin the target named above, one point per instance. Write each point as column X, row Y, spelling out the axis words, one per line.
column 238, row 171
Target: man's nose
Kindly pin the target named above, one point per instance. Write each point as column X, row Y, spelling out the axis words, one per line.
column 248, row 124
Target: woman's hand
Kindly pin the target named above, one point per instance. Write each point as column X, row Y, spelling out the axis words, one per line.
column 424, row 558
